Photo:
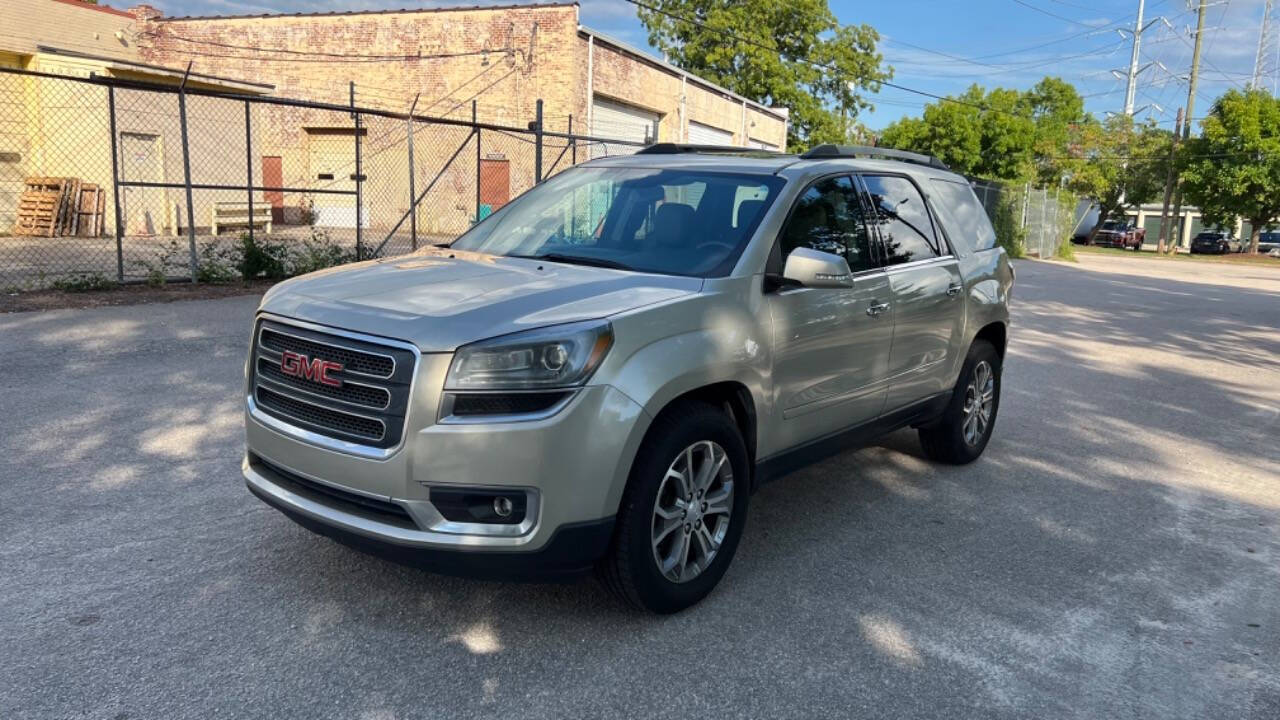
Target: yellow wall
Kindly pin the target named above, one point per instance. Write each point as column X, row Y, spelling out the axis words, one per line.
column 75, row 26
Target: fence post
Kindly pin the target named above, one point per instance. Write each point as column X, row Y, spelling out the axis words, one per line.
column 413, row 203
column 1044, row 219
column 1026, row 197
column 475, row 127
column 573, row 143
column 248, row 162
column 186, row 170
column 359, row 180
column 1057, row 229
column 115, row 183
column 537, row 154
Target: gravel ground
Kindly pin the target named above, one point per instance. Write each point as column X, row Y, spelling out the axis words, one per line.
column 1116, row 553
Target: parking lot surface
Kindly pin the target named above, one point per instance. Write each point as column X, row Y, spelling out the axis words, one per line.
column 1116, row 552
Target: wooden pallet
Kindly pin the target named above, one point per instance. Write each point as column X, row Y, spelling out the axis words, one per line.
column 37, row 213
column 89, row 211
column 54, row 206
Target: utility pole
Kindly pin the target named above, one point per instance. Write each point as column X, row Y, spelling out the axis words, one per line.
column 1169, row 182
column 1191, row 112
column 1132, row 88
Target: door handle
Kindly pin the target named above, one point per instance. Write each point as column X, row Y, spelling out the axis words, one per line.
column 954, row 289
column 876, row 308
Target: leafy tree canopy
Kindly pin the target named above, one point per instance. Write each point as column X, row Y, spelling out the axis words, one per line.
column 1233, row 168
column 783, row 53
column 1117, row 162
column 1002, row 134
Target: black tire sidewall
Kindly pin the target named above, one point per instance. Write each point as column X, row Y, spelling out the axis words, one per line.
column 687, row 426
column 957, row 450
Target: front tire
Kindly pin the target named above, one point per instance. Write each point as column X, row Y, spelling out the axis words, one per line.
column 683, row 512
column 966, row 424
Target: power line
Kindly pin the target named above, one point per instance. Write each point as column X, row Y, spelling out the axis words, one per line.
column 820, row 66
column 1053, row 14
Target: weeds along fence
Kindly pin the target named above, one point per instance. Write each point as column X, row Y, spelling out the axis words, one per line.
column 106, row 181
column 1028, row 220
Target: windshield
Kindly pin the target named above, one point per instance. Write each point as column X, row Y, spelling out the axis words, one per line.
column 1113, row 225
column 670, row 221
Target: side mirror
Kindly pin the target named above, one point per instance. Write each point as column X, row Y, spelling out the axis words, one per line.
column 816, row 269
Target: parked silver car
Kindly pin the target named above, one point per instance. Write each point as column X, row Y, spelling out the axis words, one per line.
column 600, row 373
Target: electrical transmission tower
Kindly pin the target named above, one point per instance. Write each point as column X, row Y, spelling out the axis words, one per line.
column 1266, row 68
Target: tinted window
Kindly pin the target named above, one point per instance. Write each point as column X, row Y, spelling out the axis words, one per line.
column 962, row 215
column 905, row 228
column 828, row 217
column 678, row 222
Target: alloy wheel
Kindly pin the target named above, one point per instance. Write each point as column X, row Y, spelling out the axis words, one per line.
column 979, row 399
column 692, row 511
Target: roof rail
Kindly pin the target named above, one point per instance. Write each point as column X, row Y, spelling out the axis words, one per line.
column 667, row 148
column 822, row 152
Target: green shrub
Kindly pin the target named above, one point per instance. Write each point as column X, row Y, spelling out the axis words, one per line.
column 264, row 259
column 218, row 263
column 1008, row 225
column 317, row 253
column 84, row 282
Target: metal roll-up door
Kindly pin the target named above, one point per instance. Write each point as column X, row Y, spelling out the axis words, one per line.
column 700, row 134
column 619, row 121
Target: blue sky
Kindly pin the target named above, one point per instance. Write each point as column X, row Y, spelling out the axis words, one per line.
column 942, row 46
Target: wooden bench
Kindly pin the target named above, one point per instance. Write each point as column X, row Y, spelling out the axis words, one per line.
column 236, row 214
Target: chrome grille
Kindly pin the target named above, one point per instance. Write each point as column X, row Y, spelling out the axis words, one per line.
column 365, row 401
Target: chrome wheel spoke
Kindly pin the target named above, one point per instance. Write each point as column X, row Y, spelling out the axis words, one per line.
column 979, row 400
column 718, row 504
column 692, row 511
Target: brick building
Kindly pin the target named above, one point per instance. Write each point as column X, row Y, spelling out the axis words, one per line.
column 504, row 58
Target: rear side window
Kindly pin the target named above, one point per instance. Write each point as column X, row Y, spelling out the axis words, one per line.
column 966, row 222
column 906, row 230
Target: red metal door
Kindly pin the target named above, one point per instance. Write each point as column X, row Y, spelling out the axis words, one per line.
column 273, row 176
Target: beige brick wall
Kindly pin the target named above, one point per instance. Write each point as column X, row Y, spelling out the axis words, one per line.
column 620, row 75
column 532, row 53
column 66, row 24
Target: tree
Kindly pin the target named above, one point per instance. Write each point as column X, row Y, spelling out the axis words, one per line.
column 784, row 53
column 1117, row 163
column 1001, row 134
column 1233, row 168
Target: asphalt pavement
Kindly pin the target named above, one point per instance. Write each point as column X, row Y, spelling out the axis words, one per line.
column 1116, row 552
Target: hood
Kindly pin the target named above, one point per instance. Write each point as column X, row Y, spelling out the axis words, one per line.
column 439, row 299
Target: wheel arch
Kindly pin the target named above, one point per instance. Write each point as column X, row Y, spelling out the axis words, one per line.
column 996, row 333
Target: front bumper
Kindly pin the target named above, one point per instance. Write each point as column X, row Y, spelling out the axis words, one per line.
column 573, row 466
column 571, row 551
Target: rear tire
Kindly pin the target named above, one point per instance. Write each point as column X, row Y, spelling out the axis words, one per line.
column 664, row 514
column 965, row 428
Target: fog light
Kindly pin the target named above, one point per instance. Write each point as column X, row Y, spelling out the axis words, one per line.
column 502, row 506
column 480, row 505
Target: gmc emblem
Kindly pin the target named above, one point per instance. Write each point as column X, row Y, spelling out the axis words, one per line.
column 315, row 370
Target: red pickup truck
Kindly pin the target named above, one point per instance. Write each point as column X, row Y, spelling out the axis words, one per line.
column 1120, row 234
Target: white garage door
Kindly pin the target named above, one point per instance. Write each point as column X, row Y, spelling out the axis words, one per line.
column 331, row 160
column 700, row 134
column 612, row 119
column 762, row 145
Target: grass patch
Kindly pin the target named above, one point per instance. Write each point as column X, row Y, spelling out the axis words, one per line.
column 1230, row 258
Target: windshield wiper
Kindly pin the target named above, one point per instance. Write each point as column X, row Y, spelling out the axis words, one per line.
column 577, row 260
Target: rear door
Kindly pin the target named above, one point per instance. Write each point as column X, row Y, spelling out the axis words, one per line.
column 831, row 344
column 926, row 288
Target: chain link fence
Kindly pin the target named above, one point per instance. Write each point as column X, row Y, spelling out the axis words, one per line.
column 105, row 181
column 1028, row 220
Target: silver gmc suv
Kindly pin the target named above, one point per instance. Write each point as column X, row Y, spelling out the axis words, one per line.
column 600, row 373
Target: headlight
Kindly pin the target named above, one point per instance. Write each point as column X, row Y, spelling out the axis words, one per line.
column 550, row 357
